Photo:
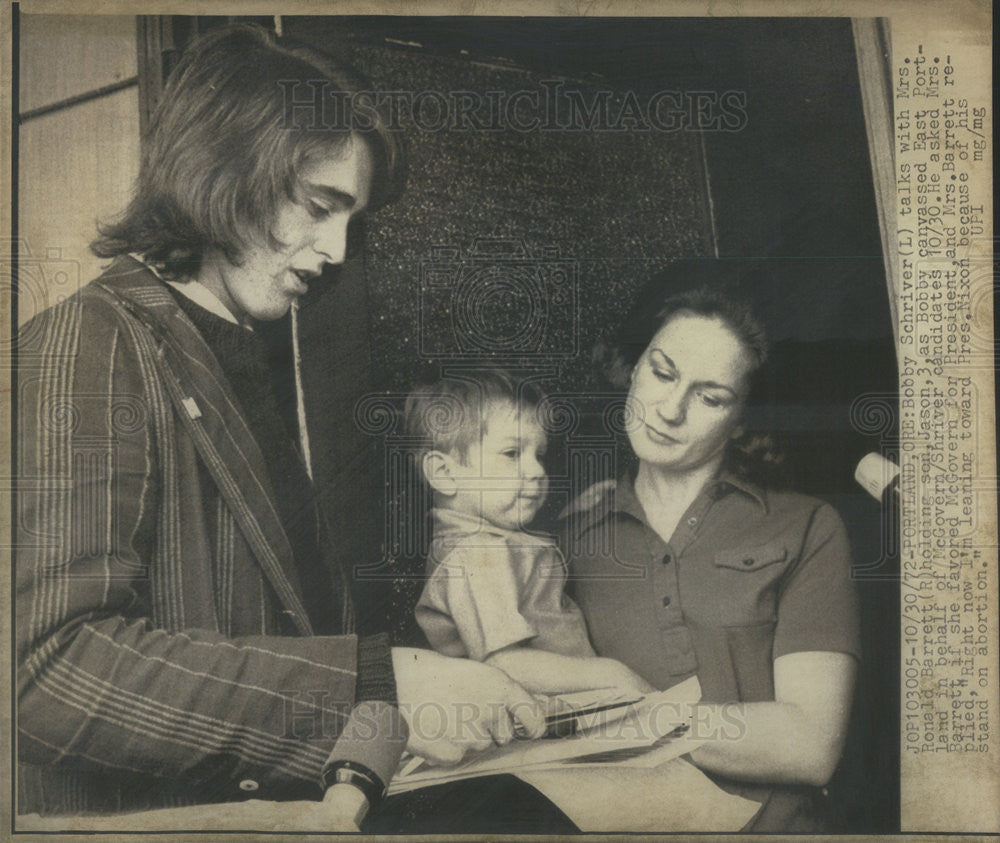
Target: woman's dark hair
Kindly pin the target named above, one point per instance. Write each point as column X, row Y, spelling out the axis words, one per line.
column 688, row 289
column 238, row 120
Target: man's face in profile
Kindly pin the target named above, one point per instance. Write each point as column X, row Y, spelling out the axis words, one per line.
column 312, row 231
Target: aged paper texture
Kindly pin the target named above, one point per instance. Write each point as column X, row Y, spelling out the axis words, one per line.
column 899, row 288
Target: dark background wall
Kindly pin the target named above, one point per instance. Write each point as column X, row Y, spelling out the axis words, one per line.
column 790, row 191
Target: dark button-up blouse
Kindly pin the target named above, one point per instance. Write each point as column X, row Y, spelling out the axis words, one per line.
column 748, row 575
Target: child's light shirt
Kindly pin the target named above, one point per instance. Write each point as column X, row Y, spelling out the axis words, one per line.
column 489, row 588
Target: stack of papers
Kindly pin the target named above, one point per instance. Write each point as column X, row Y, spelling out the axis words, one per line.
column 646, row 734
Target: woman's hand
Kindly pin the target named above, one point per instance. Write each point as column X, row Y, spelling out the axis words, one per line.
column 452, row 706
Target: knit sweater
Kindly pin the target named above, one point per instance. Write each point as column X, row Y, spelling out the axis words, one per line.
column 260, row 369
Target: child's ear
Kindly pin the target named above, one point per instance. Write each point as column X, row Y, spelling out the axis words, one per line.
column 436, row 467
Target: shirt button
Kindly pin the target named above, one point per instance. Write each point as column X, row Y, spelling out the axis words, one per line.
column 748, row 562
column 249, row 785
column 692, row 521
column 666, row 601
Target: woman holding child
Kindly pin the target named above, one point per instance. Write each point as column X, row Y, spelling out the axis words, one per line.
column 714, row 571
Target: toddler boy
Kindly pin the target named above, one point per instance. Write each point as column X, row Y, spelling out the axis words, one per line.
column 494, row 592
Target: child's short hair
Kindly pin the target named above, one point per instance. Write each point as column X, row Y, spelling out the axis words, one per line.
column 452, row 413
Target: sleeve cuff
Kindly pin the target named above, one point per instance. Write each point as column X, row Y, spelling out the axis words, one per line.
column 374, row 737
column 376, row 680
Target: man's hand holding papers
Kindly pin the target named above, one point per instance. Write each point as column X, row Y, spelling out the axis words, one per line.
column 601, row 727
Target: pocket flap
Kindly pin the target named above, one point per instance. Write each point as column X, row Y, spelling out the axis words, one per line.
column 752, row 558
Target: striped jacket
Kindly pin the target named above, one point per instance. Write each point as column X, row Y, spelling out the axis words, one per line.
column 163, row 653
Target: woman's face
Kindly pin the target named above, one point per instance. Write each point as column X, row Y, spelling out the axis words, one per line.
column 687, row 393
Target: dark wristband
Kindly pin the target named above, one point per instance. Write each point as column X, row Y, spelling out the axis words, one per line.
column 362, row 777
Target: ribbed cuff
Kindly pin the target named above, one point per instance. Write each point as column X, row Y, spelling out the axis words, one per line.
column 371, row 744
column 376, row 680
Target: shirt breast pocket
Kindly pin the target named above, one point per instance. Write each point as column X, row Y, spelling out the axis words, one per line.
column 747, row 578
column 752, row 559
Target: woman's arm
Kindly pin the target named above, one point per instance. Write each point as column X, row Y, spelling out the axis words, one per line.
column 797, row 739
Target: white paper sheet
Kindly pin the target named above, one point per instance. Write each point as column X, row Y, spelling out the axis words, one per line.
column 675, row 796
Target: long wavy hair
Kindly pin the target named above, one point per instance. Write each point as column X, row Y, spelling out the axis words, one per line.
column 240, row 117
column 717, row 290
